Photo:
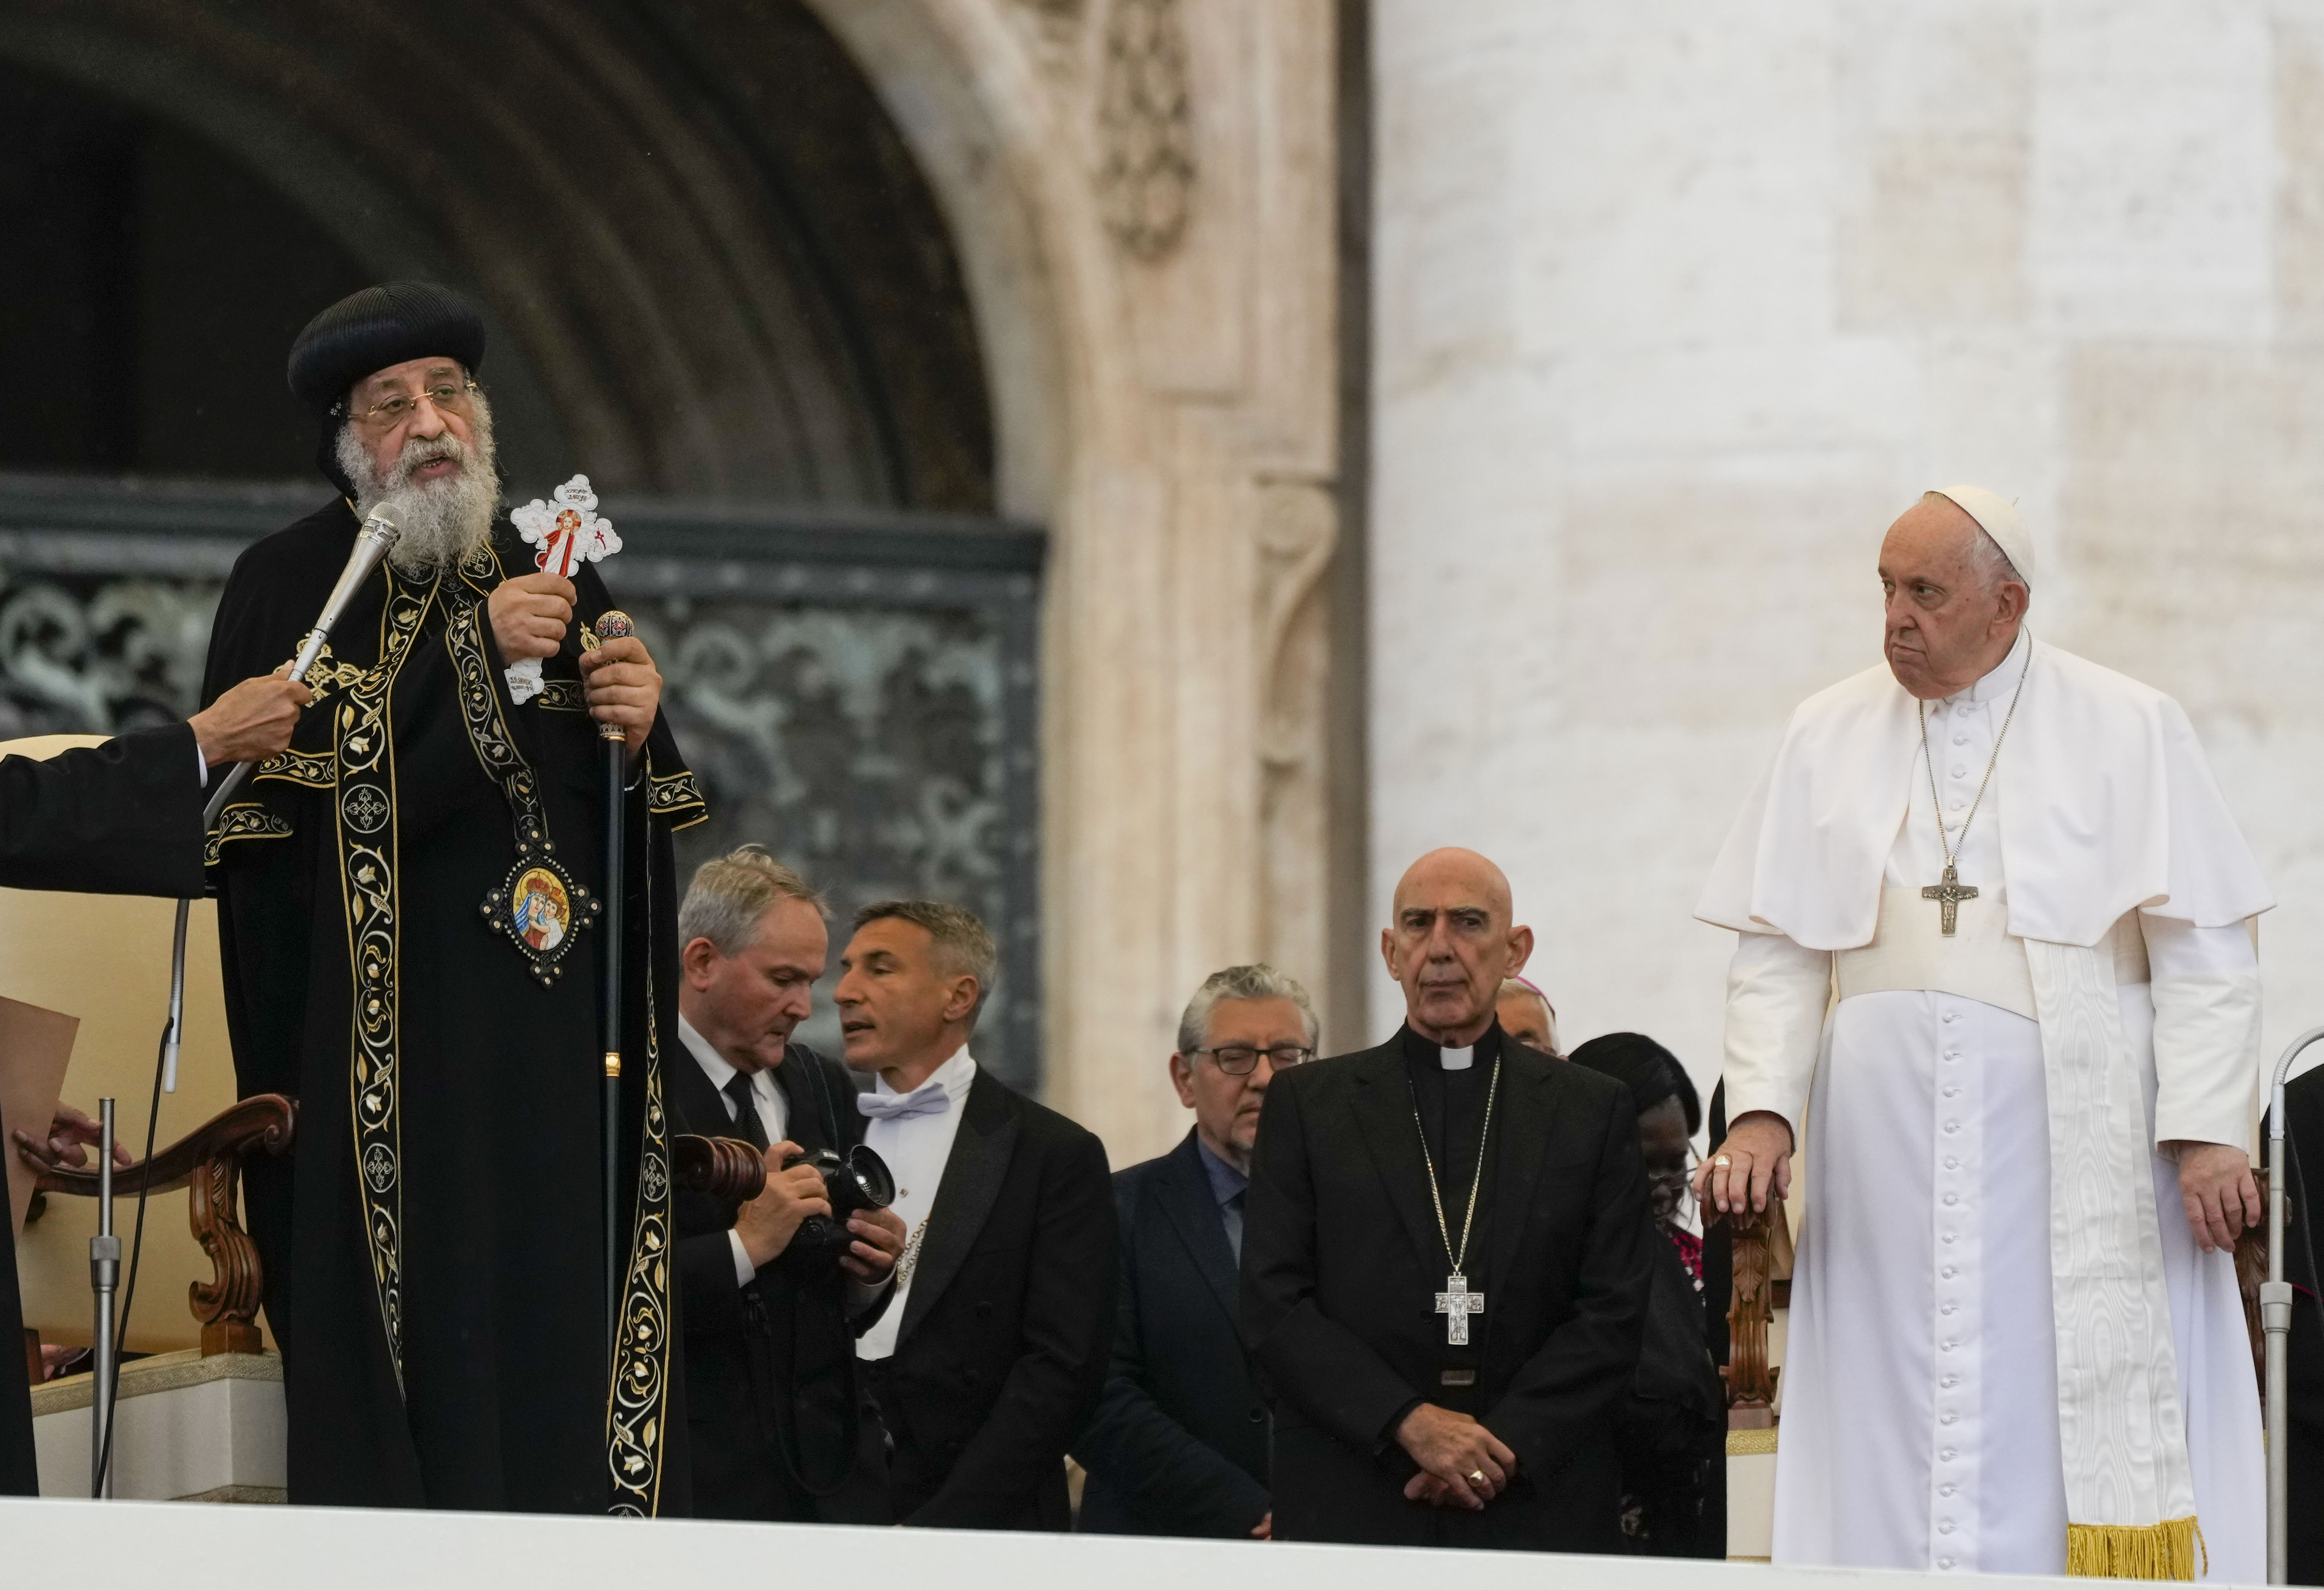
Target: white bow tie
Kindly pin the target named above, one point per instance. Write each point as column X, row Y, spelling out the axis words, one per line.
column 931, row 1100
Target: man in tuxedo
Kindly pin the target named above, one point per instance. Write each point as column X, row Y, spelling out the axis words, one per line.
column 1445, row 1259
column 1179, row 1444
column 121, row 818
column 772, row 1303
column 990, row 1357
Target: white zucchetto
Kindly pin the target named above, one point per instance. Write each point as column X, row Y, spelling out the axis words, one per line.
column 1999, row 518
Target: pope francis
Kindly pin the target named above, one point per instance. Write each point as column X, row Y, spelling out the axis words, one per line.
column 1994, row 959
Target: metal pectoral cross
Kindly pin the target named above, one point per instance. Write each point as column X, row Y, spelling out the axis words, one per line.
column 1456, row 1302
column 1949, row 896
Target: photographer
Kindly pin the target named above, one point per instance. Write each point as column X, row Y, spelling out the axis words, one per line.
column 776, row 1295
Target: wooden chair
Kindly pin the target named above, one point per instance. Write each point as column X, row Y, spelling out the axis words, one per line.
column 1762, row 1250
column 208, row 1162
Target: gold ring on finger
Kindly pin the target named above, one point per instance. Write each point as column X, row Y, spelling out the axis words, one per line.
column 1476, row 1476
column 1722, row 1160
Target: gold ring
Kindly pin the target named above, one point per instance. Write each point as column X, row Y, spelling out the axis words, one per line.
column 1722, row 1160
column 1476, row 1476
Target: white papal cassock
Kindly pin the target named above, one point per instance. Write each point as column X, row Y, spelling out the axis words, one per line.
column 1924, row 1425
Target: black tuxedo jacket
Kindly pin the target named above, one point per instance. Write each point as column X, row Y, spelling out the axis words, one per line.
column 1179, row 1444
column 770, row 1389
column 1341, row 1261
column 1006, row 1323
column 121, row 818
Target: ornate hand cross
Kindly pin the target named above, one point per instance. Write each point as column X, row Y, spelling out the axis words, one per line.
column 1949, row 896
column 1456, row 1302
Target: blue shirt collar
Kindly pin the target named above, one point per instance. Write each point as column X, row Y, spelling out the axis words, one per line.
column 1226, row 1182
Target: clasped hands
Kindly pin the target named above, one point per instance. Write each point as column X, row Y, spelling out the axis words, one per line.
column 530, row 615
column 1461, row 1463
column 2216, row 1185
column 767, row 1222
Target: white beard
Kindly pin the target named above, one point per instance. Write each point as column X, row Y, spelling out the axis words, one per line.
column 444, row 520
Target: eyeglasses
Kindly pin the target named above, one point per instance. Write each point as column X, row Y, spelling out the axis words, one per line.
column 447, row 397
column 1239, row 1060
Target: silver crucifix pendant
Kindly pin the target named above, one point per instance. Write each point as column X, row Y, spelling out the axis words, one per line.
column 1456, row 1302
column 1949, row 896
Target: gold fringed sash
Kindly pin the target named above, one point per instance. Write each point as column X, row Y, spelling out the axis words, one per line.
column 2166, row 1551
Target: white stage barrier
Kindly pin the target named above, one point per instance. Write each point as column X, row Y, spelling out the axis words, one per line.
column 192, row 1546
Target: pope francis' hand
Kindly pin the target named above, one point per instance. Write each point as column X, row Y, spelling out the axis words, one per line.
column 624, row 687
column 1756, row 1156
column 2215, row 1184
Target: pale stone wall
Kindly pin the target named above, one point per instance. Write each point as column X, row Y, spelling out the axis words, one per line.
column 1142, row 195
column 1677, row 307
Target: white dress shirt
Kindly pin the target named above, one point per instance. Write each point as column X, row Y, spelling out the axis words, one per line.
column 915, row 1149
column 774, row 1116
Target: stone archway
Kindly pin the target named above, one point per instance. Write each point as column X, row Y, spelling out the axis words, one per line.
column 1113, row 309
column 602, row 175
column 1143, row 196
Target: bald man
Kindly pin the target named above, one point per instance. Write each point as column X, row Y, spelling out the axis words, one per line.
column 1446, row 1259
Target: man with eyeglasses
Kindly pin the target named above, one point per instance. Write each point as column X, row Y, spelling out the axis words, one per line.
column 1179, row 1446
column 411, row 926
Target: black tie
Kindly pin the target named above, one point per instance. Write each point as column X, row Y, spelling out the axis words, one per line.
column 746, row 1111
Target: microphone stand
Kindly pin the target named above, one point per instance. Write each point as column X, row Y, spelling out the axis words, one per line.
column 613, row 625
column 105, row 1278
column 2275, row 1322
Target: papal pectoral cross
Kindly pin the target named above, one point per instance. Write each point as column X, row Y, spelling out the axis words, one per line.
column 1949, row 896
column 1456, row 1302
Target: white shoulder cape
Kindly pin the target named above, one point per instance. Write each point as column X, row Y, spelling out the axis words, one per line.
column 2108, row 806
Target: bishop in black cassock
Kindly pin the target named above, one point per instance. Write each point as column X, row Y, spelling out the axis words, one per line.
column 1442, row 1364
column 412, row 949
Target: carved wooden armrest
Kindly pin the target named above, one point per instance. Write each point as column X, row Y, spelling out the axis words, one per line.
column 726, row 1168
column 2251, row 1270
column 1762, row 1248
column 209, row 1161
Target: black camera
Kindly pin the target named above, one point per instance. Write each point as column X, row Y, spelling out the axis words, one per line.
column 861, row 1180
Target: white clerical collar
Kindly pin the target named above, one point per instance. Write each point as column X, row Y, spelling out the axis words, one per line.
column 1457, row 1060
column 953, row 1076
column 2002, row 681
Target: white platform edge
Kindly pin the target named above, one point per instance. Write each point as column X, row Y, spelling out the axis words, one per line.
column 206, row 1547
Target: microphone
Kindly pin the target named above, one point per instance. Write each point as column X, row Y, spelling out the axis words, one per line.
column 379, row 534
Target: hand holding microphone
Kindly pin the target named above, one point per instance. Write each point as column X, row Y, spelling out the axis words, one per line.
column 252, row 721
column 247, row 733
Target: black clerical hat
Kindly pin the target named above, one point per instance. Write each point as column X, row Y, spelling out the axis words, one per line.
column 381, row 325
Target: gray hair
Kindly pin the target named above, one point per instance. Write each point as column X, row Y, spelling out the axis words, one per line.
column 731, row 893
column 1255, row 981
column 1986, row 560
column 964, row 944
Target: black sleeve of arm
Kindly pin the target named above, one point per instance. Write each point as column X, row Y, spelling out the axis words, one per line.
column 1067, row 1334
column 121, row 818
column 1323, row 1370
column 1591, row 1359
column 1146, row 1455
